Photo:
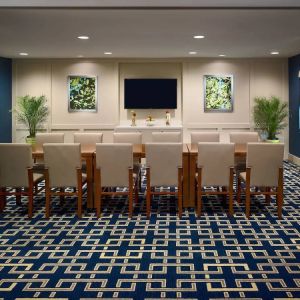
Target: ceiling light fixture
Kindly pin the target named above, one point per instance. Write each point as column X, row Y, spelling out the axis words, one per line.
column 192, row 52
column 274, row 53
column 107, row 53
column 222, row 55
column 23, row 53
column 79, row 56
column 199, row 36
column 83, row 37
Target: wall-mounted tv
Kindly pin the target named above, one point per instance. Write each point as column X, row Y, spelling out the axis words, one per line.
column 150, row 93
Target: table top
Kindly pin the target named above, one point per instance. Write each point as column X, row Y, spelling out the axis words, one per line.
column 89, row 149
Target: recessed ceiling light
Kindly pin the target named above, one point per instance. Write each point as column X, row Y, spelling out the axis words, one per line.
column 222, row 55
column 192, row 52
column 23, row 53
column 79, row 56
column 199, row 36
column 107, row 53
column 83, row 37
column 274, row 53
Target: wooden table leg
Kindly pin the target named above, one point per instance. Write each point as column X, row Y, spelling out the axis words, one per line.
column 186, row 176
column 89, row 179
column 192, row 172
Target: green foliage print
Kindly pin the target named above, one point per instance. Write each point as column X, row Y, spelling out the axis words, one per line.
column 218, row 93
column 82, row 91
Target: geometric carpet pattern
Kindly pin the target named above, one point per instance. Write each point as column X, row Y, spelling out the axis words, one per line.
column 113, row 257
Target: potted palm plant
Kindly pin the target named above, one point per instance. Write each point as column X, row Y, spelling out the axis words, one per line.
column 270, row 116
column 32, row 112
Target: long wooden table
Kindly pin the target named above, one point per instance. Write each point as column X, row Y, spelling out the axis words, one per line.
column 240, row 150
column 87, row 154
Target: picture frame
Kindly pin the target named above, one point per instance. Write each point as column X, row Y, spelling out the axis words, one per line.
column 218, row 93
column 82, row 93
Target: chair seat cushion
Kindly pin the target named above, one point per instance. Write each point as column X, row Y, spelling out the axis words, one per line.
column 37, row 177
column 243, row 176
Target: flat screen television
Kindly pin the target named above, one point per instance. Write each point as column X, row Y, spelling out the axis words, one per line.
column 150, row 93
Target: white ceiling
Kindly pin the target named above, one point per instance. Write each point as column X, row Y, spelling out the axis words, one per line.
column 149, row 33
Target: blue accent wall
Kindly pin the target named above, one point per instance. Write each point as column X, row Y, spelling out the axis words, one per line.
column 5, row 100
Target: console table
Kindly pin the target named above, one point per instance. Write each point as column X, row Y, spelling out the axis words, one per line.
column 147, row 130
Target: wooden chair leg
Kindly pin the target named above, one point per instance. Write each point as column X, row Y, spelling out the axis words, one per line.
column 180, row 192
column 18, row 197
column 148, row 194
column 230, row 192
column 98, row 189
column 248, row 193
column 268, row 197
column 136, row 193
column 238, row 194
column 130, row 202
column 280, row 193
column 30, row 202
column 79, row 197
column 2, row 198
column 62, row 197
column 48, row 194
column 199, row 193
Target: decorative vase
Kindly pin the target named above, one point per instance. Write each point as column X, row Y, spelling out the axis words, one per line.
column 30, row 140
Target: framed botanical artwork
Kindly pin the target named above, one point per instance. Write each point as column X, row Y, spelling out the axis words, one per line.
column 82, row 93
column 218, row 93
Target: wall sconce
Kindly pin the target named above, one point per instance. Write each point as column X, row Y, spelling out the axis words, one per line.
column 299, row 74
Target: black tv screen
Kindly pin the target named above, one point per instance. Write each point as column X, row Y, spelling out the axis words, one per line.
column 150, row 93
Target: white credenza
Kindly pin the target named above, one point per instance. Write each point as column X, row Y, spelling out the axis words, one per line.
column 147, row 130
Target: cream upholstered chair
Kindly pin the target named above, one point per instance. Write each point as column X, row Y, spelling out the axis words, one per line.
column 128, row 137
column 132, row 138
column 197, row 137
column 242, row 137
column 163, row 168
column 88, row 137
column 215, row 168
column 42, row 138
column 63, row 169
column 114, row 168
column 166, row 137
column 16, row 172
column 264, row 170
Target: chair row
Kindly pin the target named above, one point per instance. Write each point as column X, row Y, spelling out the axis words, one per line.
column 114, row 168
column 136, row 137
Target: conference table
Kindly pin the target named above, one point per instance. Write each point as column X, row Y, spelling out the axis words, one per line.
column 189, row 165
column 88, row 154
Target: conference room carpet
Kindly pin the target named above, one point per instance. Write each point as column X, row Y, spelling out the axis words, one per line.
column 212, row 257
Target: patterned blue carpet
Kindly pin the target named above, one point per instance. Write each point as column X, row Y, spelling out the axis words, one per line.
column 213, row 257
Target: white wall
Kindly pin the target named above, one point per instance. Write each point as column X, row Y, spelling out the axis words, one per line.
column 252, row 77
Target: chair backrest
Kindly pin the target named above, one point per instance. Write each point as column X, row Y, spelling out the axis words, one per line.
column 215, row 159
column 166, row 137
column 163, row 159
column 265, row 160
column 14, row 161
column 62, row 160
column 88, row 137
column 114, row 161
column 197, row 137
column 128, row 137
column 42, row 138
column 243, row 137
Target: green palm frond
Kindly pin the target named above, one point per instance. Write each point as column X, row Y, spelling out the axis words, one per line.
column 270, row 115
column 32, row 112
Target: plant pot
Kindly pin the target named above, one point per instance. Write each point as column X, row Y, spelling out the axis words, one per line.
column 273, row 141
column 30, row 140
